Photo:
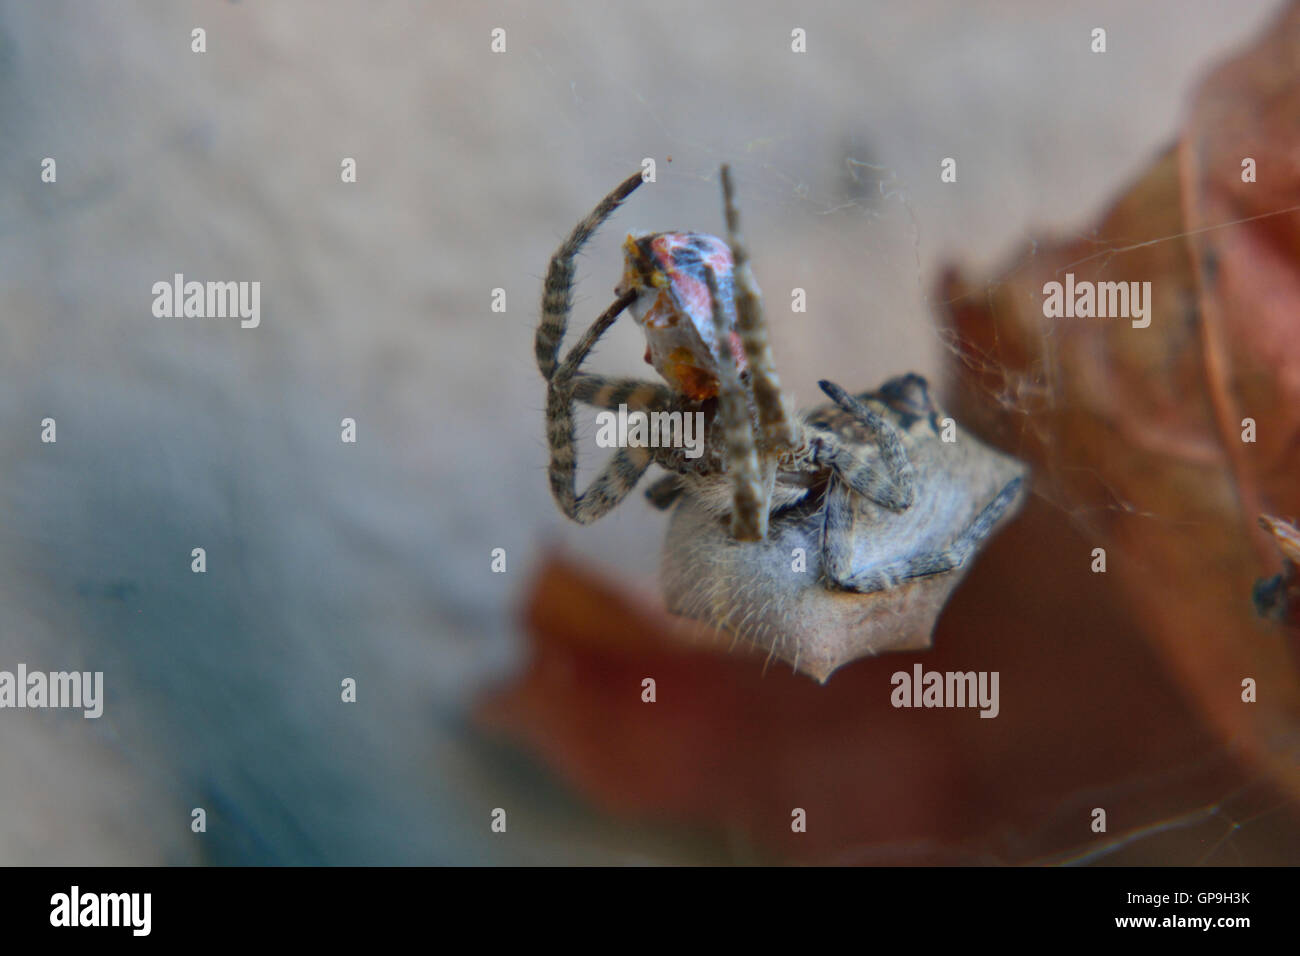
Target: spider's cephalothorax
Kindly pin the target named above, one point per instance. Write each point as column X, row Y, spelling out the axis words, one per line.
column 880, row 480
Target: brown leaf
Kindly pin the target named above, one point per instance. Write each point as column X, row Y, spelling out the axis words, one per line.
column 1137, row 432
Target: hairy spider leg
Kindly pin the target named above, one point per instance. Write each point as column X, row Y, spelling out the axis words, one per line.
column 626, row 466
column 892, row 486
column 839, row 536
column 637, row 394
column 557, row 291
column 775, row 428
column 750, row 497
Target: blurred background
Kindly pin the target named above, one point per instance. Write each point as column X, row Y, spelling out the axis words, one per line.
column 328, row 560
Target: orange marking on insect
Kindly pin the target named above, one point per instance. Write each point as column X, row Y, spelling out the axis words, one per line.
column 663, row 314
column 695, row 383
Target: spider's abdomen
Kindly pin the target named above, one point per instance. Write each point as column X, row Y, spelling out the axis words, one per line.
column 824, row 588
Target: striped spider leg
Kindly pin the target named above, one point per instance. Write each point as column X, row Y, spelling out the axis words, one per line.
column 751, row 458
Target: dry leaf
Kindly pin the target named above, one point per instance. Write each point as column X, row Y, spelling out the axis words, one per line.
column 1137, row 433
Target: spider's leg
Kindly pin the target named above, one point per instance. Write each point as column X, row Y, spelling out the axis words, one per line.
column 774, row 423
column 557, row 291
column 578, row 354
column 749, row 503
column 598, row 391
column 639, row 396
column 625, row 468
column 665, row 491
column 607, row 489
column 838, row 534
column 892, row 484
column 866, row 478
column 649, row 398
column 839, row 545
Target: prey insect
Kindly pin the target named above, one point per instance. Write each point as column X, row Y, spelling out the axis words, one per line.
column 828, row 535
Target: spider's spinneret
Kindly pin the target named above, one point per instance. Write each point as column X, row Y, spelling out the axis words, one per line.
column 673, row 307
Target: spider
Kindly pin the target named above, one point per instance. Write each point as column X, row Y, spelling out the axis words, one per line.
column 881, row 503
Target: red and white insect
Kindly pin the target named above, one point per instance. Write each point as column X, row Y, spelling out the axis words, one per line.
column 676, row 314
